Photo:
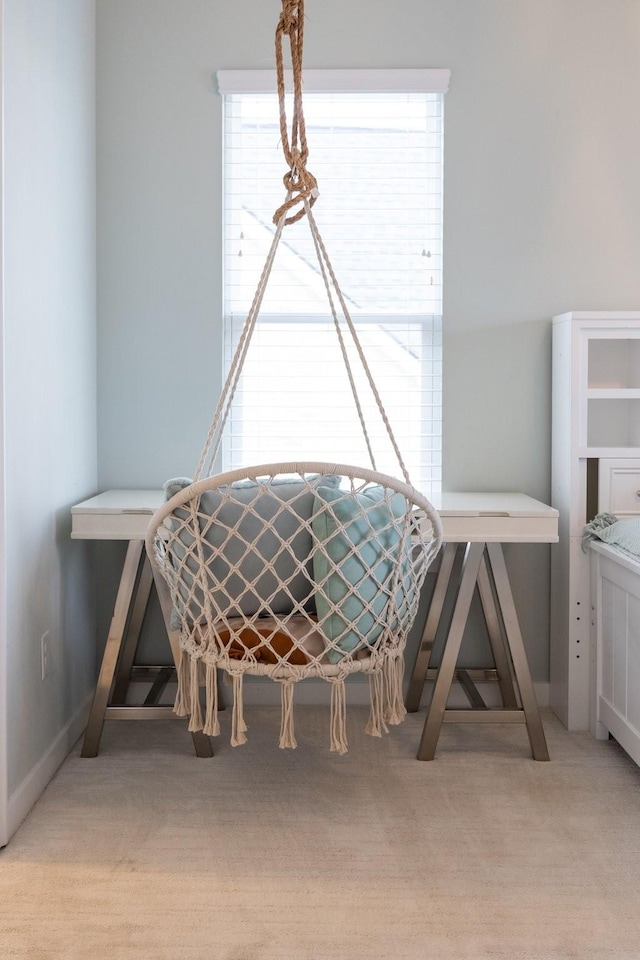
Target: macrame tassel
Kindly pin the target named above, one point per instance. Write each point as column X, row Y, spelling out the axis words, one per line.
column 287, row 735
column 211, row 725
column 338, row 717
column 238, row 726
column 376, row 725
column 394, row 708
column 183, row 695
column 195, row 722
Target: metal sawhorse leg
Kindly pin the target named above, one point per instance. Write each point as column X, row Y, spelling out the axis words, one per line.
column 117, row 669
column 481, row 566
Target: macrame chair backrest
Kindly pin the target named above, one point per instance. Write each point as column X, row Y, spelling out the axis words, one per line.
column 294, row 570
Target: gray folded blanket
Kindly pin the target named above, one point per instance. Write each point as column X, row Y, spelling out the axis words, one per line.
column 623, row 533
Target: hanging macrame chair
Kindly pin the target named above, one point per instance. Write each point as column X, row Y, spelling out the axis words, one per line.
column 299, row 569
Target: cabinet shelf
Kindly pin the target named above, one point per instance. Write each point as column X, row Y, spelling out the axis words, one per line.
column 613, row 362
column 609, row 453
column 613, row 393
column 613, row 420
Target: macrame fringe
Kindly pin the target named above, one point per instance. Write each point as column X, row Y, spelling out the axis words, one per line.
column 183, row 694
column 287, row 735
column 195, row 720
column 376, row 725
column 386, row 699
column 211, row 725
column 238, row 726
column 338, row 717
column 394, row 710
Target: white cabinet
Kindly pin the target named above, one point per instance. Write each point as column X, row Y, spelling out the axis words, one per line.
column 616, row 599
column 619, row 487
column 595, row 431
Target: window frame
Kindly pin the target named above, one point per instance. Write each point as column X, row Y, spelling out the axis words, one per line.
column 251, row 82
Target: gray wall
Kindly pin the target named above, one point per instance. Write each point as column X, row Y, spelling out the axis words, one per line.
column 49, row 365
column 542, row 207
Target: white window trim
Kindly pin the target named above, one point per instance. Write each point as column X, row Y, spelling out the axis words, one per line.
column 338, row 81
column 256, row 83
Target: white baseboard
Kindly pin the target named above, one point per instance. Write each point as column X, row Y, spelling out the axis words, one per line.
column 26, row 794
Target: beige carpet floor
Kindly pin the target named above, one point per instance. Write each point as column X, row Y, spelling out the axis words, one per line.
column 264, row 854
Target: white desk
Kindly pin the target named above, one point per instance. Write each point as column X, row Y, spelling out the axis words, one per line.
column 482, row 522
column 115, row 515
column 496, row 518
column 487, row 517
column 124, row 515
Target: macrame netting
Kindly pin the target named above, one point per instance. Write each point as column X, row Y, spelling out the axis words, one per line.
column 294, row 570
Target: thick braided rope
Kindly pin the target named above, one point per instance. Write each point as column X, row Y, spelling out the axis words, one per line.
column 301, row 185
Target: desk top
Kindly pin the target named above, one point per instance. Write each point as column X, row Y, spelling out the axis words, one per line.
column 466, row 517
column 496, row 518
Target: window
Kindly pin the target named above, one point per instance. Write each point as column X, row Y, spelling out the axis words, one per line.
column 375, row 147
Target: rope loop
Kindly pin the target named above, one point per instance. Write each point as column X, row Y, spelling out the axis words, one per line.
column 300, row 184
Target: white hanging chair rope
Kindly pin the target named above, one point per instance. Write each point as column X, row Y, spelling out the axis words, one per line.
column 302, row 189
column 216, row 429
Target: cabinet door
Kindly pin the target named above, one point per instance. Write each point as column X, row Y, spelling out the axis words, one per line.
column 619, row 487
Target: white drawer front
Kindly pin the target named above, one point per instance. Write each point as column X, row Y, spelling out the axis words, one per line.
column 619, row 487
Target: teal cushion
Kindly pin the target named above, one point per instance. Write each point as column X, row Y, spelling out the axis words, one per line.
column 359, row 545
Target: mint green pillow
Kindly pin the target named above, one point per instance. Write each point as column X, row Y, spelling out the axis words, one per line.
column 355, row 562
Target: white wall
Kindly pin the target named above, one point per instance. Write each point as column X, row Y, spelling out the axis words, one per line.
column 542, row 209
column 49, row 377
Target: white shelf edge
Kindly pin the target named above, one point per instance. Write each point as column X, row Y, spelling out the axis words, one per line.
column 592, row 453
column 613, row 393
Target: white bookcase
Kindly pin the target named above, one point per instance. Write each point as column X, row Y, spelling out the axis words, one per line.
column 596, row 421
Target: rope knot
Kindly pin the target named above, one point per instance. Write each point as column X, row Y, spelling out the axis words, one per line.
column 297, row 172
column 289, row 17
column 301, row 186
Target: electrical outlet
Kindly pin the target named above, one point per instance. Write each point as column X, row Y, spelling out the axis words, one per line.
column 45, row 654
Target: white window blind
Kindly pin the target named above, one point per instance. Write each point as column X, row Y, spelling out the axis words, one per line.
column 377, row 156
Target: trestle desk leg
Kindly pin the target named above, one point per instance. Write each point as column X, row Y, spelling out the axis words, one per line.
column 132, row 637
column 112, row 649
column 496, row 637
column 434, row 616
column 518, row 654
column 446, row 671
column 165, row 676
